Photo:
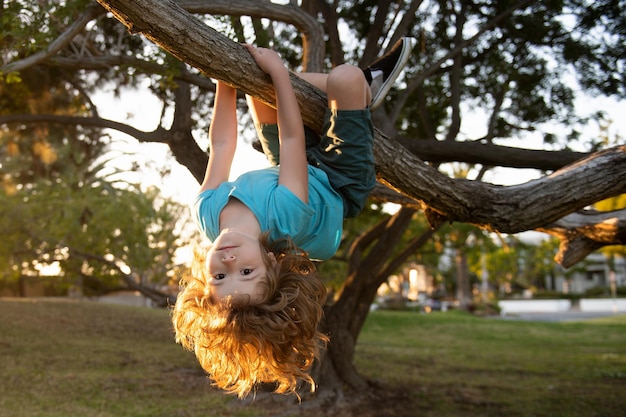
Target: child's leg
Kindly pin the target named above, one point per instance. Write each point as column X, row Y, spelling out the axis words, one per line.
column 261, row 112
column 347, row 89
column 264, row 114
column 343, row 87
column 266, row 119
column 345, row 149
column 317, row 79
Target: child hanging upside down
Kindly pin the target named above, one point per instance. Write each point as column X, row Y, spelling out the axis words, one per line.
column 251, row 307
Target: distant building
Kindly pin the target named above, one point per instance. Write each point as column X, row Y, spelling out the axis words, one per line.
column 594, row 272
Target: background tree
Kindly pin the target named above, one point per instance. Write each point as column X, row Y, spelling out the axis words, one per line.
column 102, row 234
column 62, row 203
column 503, row 60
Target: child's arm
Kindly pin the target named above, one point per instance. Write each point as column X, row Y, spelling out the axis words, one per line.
column 222, row 137
column 293, row 170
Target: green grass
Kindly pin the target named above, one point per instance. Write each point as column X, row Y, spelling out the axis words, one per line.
column 88, row 359
column 459, row 365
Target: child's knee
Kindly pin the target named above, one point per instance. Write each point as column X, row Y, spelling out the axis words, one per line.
column 346, row 75
column 347, row 86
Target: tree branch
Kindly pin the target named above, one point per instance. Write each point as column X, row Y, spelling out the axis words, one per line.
column 159, row 135
column 583, row 232
column 313, row 34
column 509, row 209
column 489, row 154
column 153, row 294
column 109, row 61
column 91, row 12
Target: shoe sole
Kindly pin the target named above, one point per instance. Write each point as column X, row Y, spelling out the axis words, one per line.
column 384, row 89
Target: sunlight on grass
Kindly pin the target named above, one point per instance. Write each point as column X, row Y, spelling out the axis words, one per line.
column 453, row 361
column 86, row 359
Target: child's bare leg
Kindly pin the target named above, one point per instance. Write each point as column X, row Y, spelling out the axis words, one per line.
column 264, row 114
column 261, row 112
column 317, row 79
column 347, row 88
column 346, row 83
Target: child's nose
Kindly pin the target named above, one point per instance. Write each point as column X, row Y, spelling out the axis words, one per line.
column 229, row 257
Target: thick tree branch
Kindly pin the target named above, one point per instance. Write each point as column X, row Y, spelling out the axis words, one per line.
column 313, row 34
column 180, row 33
column 181, row 142
column 489, row 154
column 509, row 209
column 583, row 232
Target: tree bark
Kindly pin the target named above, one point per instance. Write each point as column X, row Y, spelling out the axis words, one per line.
column 489, row 154
column 311, row 30
column 583, row 232
column 371, row 261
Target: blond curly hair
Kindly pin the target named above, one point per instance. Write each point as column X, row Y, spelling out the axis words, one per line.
column 241, row 344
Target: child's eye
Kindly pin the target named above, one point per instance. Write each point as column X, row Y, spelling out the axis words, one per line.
column 219, row 276
column 246, row 271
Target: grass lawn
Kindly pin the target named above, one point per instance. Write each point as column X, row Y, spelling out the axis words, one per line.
column 87, row 359
column 459, row 365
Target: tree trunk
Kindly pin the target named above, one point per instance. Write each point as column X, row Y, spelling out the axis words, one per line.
column 463, row 287
column 345, row 317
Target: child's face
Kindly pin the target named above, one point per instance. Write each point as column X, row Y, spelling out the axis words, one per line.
column 235, row 266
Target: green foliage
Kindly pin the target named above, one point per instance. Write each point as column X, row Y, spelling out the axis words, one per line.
column 512, row 264
column 516, row 67
column 78, row 226
column 598, row 60
column 54, row 198
column 56, row 205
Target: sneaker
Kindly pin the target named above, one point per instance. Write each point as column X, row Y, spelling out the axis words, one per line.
column 384, row 71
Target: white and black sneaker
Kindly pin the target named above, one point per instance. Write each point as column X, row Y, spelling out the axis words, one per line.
column 384, row 71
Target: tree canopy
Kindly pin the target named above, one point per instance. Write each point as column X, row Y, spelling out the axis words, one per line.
column 461, row 47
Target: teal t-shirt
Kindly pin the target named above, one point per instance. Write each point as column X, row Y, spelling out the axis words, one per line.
column 315, row 227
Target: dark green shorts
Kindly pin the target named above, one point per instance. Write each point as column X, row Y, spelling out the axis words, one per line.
column 343, row 152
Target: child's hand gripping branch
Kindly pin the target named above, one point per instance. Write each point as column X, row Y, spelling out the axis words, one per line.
column 251, row 308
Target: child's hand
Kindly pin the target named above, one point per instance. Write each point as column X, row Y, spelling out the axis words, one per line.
column 269, row 61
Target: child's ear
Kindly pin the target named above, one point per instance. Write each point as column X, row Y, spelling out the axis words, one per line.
column 272, row 258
